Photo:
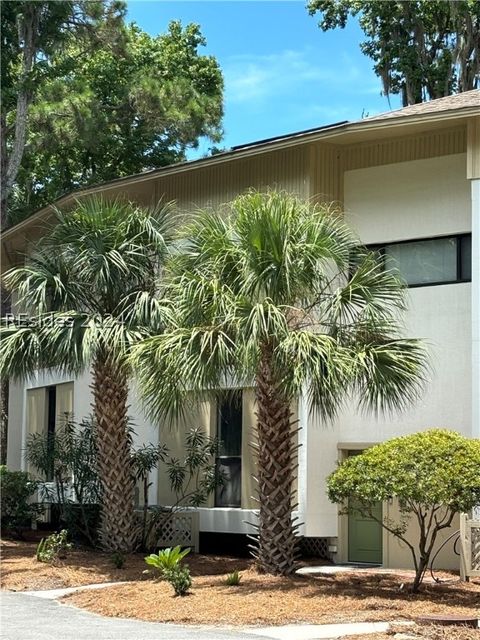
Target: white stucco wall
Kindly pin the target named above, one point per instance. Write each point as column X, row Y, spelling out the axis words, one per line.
column 423, row 198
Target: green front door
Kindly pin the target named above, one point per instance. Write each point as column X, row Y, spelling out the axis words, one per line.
column 365, row 535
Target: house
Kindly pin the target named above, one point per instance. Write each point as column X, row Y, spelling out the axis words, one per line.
column 409, row 183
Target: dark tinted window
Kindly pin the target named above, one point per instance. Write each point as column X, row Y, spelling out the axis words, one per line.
column 229, row 462
column 431, row 260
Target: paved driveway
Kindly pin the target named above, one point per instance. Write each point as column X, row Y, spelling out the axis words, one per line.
column 25, row 617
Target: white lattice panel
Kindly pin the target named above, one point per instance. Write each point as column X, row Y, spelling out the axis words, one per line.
column 315, row 547
column 475, row 545
column 180, row 528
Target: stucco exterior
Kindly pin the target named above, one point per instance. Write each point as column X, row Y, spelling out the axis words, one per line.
column 396, row 179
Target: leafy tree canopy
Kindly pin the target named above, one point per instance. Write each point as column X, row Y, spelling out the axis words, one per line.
column 422, row 49
column 35, row 34
column 129, row 103
column 434, row 474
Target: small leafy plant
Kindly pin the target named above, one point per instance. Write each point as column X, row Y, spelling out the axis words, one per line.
column 118, row 560
column 233, row 579
column 180, row 579
column 167, row 561
column 54, row 547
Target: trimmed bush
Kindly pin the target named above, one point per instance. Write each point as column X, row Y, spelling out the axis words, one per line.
column 16, row 491
column 434, row 474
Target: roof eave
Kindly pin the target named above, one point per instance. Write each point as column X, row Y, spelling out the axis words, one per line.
column 347, row 130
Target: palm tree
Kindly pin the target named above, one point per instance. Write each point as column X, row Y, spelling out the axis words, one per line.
column 89, row 288
column 279, row 292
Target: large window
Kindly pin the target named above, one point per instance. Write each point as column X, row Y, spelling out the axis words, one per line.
column 229, row 462
column 46, row 409
column 430, row 261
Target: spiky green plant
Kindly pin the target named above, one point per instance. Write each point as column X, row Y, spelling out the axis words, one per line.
column 279, row 293
column 167, row 559
column 90, row 289
column 233, row 579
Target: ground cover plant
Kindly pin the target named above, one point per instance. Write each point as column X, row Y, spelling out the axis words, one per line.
column 54, row 547
column 433, row 474
column 233, row 579
column 168, row 563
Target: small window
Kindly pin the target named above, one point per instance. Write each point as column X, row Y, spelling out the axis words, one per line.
column 430, row 261
column 229, row 462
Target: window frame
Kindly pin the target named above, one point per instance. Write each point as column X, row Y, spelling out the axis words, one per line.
column 219, row 458
column 379, row 247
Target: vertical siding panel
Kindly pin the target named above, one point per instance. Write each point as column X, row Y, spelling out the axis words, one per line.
column 405, row 149
column 290, row 168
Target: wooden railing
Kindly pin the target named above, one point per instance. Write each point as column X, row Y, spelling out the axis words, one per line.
column 470, row 547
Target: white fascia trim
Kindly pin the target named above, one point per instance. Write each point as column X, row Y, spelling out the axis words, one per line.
column 230, row 520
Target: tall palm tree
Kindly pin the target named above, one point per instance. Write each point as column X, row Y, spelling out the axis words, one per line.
column 279, row 293
column 89, row 289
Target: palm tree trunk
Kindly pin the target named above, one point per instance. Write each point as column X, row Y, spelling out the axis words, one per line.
column 275, row 548
column 110, row 390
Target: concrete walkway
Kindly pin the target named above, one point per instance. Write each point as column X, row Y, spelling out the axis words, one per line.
column 27, row 617
column 38, row 616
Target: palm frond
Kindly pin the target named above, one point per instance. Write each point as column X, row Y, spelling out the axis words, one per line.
column 318, row 363
column 390, row 375
column 179, row 364
column 90, row 286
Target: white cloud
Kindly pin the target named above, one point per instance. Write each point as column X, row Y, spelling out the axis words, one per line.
column 255, row 79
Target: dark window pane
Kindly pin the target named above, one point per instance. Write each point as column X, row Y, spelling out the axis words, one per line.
column 229, row 493
column 424, row 261
column 51, row 415
column 229, row 428
column 466, row 258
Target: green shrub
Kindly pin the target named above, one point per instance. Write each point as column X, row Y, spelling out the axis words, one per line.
column 180, row 579
column 118, row 560
column 17, row 512
column 82, row 522
column 433, row 474
column 67, row 458
column 54, row 547
column 167, row 559
column 233, row 579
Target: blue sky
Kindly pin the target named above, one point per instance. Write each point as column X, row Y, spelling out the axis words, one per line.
column 282, row 73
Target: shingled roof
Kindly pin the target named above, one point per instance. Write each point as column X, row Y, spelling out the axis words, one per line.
column 465, row 100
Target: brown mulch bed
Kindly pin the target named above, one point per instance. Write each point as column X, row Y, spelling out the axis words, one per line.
column 433, row 632
column 258, row 600
column 20, row 570
column 266, row 600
